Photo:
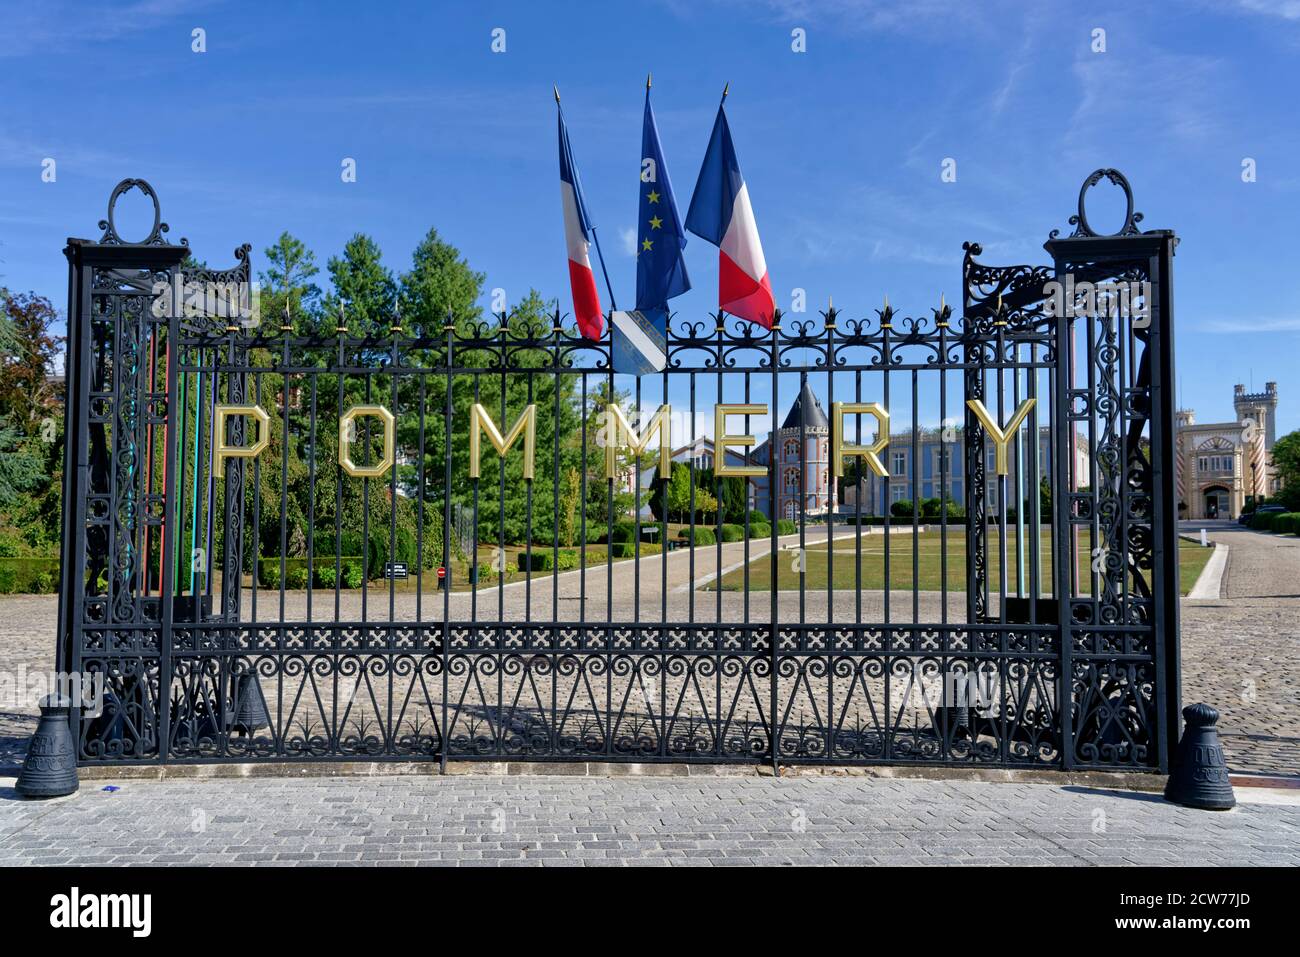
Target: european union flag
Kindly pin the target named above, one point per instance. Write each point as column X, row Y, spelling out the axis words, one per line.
column 640, row 339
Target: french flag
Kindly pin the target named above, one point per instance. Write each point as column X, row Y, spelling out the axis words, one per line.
column 577, row 237
column 720, row 213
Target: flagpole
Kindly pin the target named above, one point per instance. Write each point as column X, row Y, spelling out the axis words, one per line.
column 605, row 272
column 595, row 238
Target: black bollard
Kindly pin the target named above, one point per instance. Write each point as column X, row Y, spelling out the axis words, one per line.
column 1199, row 777
column 251, row 712
column 50, row 769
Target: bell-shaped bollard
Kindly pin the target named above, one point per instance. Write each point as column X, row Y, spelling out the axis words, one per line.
column 50, row 769
column 250, row 712
column 1199, row 777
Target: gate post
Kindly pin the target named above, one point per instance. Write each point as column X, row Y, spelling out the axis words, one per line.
column 111, row 405
column 1128, row 621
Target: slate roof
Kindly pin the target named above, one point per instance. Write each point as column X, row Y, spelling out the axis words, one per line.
column 807, row 410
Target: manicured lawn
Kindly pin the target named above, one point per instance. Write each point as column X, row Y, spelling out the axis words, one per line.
column 1191, row 560
column 929, row 551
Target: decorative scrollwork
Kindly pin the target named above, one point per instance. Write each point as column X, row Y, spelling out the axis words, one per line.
column 1082, row 228
column 111, row 237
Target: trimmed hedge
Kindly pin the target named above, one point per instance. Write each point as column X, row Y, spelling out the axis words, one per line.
column 703, row 535
column 28, row 574
column 563, row 560
column 1286, row 523
column 785, row 526
column 733, row 533
column 1265, row 521
column 628, row 549
column 760, row 530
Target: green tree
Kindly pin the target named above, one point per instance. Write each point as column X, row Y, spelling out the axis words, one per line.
column 507, row 513
column 706, row 504
column 1286, row 460
column 678, row 492
column 730, row 491
column 287, row 279
column 569, row 495
column 30, row 433
column 363, row 287
column 30, row 349
column 440, row 282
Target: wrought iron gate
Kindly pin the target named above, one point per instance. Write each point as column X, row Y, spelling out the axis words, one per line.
column 242, row 500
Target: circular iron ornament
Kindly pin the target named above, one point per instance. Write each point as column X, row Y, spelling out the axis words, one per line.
column 1080, row 219
column 109, row 225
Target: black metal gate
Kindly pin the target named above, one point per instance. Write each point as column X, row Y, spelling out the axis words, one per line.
column 951, row 539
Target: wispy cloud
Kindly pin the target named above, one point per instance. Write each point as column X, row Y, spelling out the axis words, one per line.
column 1183, row 95
column 628, row 237
column 915, row 17
column 54, row 26
column 1286, row 9
column 1250, row 325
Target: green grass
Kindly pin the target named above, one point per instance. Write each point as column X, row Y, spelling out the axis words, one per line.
column 928, row 574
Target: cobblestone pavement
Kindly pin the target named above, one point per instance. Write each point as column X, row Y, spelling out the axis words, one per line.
column 711, row 821
column 1241, row 653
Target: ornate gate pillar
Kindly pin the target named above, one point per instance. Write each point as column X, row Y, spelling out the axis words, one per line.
column 1119, row 608
column 111, row 617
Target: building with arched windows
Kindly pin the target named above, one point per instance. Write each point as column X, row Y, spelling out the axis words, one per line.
column 803, row 462
column 1222, row 464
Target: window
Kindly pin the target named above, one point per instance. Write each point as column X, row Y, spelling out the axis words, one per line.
column 791, row 480
column 897, row 492
column 899, row 463
column 792, row 450
column 942, row 461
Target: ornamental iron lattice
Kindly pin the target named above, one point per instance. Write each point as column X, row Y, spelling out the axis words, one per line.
column 274, row 607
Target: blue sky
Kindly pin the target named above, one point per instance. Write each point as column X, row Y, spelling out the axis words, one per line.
column 841, row 145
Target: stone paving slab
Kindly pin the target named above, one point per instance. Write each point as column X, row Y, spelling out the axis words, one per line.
column 523, row 821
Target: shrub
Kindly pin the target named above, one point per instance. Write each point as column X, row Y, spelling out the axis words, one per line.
column 785, row 526
column 544, row 560
column 353, row 575
column 733, row 533
column 760, row 530
column 756, row 517
column 1263, row 521
column 28, row 574
column 536, row 561
column 296, row 573
column 703, row 535
column 1287, row 523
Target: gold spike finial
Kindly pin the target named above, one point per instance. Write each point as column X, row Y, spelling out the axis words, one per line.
column 725, row 88
column 942, row 305
column 886, row 300
column 830, row 300
column 647, row 81
column 557, row 92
